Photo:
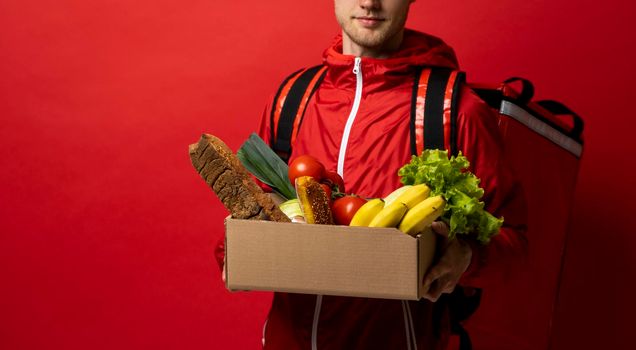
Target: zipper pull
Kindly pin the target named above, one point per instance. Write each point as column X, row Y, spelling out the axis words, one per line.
column 356, row 65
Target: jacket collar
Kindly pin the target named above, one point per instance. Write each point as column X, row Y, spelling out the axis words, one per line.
column 417, row 49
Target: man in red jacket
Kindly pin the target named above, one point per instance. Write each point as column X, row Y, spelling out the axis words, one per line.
column 357, row 123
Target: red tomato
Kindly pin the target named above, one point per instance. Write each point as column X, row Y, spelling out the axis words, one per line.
column 327, row 191
column 306, row 166
column 344, row 208
column 336, row 180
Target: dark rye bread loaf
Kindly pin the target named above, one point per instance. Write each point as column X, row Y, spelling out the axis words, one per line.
column 231, row 182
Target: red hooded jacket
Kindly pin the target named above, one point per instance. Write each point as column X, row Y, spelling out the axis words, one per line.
column 376, row 144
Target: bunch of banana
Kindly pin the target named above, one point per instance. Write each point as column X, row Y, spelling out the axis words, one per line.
column 409, row 208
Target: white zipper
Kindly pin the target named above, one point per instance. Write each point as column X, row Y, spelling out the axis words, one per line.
column 341, row 157
column 357, row 70
column 314, row 326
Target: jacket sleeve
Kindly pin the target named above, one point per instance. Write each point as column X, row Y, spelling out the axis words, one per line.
column 480, row 141
column 263, row 132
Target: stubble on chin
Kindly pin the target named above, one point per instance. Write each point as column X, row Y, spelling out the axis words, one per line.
column 367, row 38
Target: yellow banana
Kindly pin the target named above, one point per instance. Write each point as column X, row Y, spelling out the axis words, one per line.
column 395, row 194
column 390, row 216
column 414, row 195
column 367, row 212
column 422, row 215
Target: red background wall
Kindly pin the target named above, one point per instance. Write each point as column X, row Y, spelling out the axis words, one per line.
column 106, row 231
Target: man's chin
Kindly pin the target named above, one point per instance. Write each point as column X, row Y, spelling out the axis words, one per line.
column 370, row 38
column 369, row 41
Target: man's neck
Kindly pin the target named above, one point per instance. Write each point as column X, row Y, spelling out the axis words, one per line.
column 349, row 47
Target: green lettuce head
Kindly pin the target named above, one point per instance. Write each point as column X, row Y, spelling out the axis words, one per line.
column 450, row 178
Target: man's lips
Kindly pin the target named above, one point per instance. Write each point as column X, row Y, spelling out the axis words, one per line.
column 369, row 22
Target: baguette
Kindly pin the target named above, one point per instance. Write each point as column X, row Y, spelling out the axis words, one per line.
column 224, row 173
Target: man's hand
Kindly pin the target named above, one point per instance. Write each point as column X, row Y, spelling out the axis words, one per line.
column 454, row 261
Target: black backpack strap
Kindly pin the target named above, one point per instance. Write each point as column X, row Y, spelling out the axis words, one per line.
column 434, row 109
column 289, row 107
column 434, row 126
column 458, row 82
column 275, row 113
column 433, row 123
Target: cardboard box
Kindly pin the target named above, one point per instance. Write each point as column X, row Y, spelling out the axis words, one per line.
column 326, row 259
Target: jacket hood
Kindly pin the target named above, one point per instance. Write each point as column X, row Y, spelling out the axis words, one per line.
column 417, row 49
